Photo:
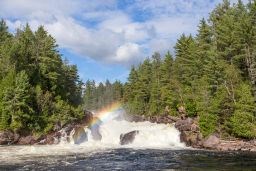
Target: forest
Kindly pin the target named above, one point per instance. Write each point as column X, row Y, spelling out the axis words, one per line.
column 210, row 75
column 37, row 87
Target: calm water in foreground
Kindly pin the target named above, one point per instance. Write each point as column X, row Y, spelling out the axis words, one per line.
column 133, row 159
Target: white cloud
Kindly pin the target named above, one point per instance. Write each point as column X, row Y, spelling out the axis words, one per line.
column 97, row 44
column 128, row 52
column 115, row 35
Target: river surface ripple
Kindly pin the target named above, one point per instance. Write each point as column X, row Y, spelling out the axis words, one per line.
column 128, row 159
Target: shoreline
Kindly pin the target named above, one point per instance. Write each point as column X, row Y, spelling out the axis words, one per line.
column 191, row 136
column 188, row 128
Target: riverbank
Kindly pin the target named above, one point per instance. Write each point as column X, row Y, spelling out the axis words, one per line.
column 190, row 134
column 189, row 130
column 60, row 133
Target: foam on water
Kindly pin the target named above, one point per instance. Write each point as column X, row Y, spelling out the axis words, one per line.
column 151, row 135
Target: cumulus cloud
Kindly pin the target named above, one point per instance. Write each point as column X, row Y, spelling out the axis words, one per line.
column 128, row 52
column 92, row 43
column 103, row 31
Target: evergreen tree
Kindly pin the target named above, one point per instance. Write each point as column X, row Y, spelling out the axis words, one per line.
column 154, row 102
column 37, row 86
column 16, row 102
column 167, row 95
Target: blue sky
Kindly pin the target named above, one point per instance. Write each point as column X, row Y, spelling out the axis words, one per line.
column 105, row 37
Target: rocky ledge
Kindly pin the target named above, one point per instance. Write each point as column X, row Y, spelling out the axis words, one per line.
column 191, row 136
column 60, row 133
column 188, row 127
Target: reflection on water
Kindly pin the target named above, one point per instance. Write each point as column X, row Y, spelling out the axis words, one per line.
column 133, row 159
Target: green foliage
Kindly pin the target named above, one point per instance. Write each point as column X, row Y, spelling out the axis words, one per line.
column 208, row 123
column 37, row 88
column 97, row 97
column 243, row 121
column 212, row 75
column 191, row 108
column 243, row 124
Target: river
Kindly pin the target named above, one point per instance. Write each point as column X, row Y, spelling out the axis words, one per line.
column 156, row 147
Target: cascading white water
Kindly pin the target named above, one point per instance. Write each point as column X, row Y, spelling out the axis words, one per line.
column 151, row 135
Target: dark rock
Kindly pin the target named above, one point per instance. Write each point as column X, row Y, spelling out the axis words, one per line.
column 51, row 138
column 28, row 140
column 173, row 118
column 6, row 137
column 95, row 131
column 88, row 118
column 184, row 125
column 128, row 137
column 235, row 145
column 194, row 127
column 211, row 142
column 16, row 138
column 183, row 116
column 67, row 129
column 189, row 132
column 190, row 138
column 79, row 135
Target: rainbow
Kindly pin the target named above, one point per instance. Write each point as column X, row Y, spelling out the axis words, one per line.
column 105, row 113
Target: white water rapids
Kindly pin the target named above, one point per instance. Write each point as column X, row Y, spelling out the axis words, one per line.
column 151, row 135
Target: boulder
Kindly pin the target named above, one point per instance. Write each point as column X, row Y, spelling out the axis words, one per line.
column 51, row 138
column 128, row 137
column 184, row 125
column 28, row 140
column 191, row 138
column 211, row 142
column 79, row 135
column 6, row 137
column 194, row 127
column 173, row 118
column 95, row 131
column 16, row 138
column 67, row 129
column 94, row 126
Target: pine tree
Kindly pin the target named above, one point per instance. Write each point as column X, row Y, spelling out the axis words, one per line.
column 186, row 63
column 167, row 96
column 243, row 122
column 4, row 34
column 38, row 88
column 143, row 88
column 154, row 102
column 5, row 45
column 16, row 102
column 130, row 91
column 117, row 91
column 6, row 83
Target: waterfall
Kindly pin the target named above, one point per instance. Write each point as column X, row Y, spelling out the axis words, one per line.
column 150, row 135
